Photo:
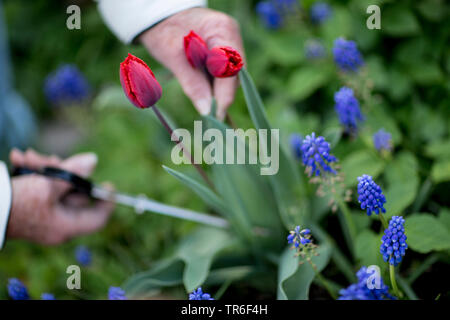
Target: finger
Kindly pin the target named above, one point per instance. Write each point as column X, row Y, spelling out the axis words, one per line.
column 224, row 91
column 80, row 164
column 74, row 222
column 17, row 157
column 196, row 86
column 34, row 160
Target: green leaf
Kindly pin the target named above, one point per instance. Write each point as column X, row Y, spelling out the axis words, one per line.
column 367, row 249
column 287, row 180
column 190, row 264
column 242, row 187
column 294, row 279
column 399, row 20
column 433, row 10
column 197, row 251
column 306, row 80
column 340, row 25
column 284, row 50
column 166, row 273
column 402, row 183
column 444, row 217
column 440, row 172
column 111, row 97
column 425, row 72
column 358, row 163
column 438, row 149
column 202, row 191
column 425, row 233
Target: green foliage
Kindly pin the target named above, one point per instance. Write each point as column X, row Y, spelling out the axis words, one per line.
column 295, row 274
column 425, row 233
column 402, row 88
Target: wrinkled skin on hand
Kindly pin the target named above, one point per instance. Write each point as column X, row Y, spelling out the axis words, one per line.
column 38, row 212
column 165, row 43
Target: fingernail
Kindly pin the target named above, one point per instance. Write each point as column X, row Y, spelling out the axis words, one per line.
column 203, row 106
column 221, row 114
column 88, row 160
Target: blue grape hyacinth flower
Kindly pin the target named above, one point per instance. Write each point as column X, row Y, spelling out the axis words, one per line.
column 299, row 237
column 17, row 290
column 199, row 295
column 296, row 141
column 269, row 14
column 393, row 242
column 347, row 108
column 47, row 296
column 370, row 195
column 316, row 155
column 320, row 12
column 346, row 55
column 116, row 293
column 314, row 49
column 382, row 140
column 66, row 85
column 83, row 255
column 360, row 290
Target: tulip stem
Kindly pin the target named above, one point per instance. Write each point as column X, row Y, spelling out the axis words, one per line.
column 185, row 151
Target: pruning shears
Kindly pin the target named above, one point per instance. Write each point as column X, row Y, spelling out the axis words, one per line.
column 140, row 203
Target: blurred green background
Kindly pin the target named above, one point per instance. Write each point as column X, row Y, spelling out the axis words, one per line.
column 407, row 73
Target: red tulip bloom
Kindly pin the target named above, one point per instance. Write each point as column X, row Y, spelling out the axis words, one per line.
column 139, row 82
column 195, row 49
column 224, row 62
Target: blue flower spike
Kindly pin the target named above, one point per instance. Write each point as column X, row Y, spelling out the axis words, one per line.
column 382, row 140
column 346, row 55
column 67, row 85
column 302, row 242
column 199, row 295
column 347, row 108
column 314, row 49
column 370, row 195
column 316, row 155
column 320, row 12
column 296, row 141
column 116, row 293
column 393, row 242
column 17, row 290
column 299, row 237
column 47, row 296
column 361, row 290
column 269, row 15
column 83, row 255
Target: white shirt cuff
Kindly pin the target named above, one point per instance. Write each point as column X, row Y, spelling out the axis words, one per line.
column 129, row 18
column 5, row 201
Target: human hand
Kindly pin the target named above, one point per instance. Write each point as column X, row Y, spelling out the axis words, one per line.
column 165, row 43
column 38, row 212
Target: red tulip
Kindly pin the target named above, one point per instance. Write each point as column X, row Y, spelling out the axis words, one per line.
column 224, row 62
column 139, row 82
column 195, row 49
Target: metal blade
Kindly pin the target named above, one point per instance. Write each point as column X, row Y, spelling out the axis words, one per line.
column 141, row 204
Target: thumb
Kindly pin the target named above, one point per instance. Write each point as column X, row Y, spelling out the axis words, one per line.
column 82, row 164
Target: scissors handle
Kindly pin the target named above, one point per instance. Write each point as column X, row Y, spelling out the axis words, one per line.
column 79, row 184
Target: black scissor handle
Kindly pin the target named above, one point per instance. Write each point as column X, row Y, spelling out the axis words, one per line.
column 79, row 184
